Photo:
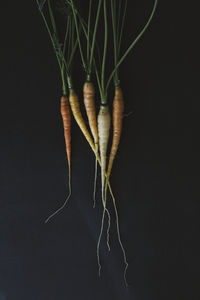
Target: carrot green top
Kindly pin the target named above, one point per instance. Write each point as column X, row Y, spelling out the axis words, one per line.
column 75, row 26
column 69, row 44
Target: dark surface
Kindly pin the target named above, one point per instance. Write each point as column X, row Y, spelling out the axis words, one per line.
column 155, row 177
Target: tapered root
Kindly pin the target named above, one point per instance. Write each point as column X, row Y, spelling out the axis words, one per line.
column 95, row 175
column 66, row 117
column 89, row 102
column 75, row 107
column 118, row 109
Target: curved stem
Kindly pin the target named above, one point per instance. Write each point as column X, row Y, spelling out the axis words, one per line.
column 132, row 44
column 103, row 100
column 72, row 54
column 64, row 204
column 78, row 35
column 94, row 36
column 99, row 83
column 52, row 17
column 58, row 58
column 69, row 39
column 88, row 31
column 115, row 44
column 66, row 35
column 122, row 26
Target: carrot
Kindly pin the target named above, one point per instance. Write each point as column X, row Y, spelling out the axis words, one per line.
column 118, row 109
column 75, row 107
column 89, row 93
column 103, row 129
column 66, row 117
column 88, row 97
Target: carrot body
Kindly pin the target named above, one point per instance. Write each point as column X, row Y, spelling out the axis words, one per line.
column 89, row 102
column 89, row 94
column 66, row 117
column 75, row 107
column 103, row 129
column 118, row 109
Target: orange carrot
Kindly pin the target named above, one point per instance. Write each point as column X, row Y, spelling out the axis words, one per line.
column 118, row 109
column 66, row 117
column 89, row 93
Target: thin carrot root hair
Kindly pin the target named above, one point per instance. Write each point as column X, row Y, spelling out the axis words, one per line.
column 66, row 117
column 95, row 176
column 119, row 235
column 101, row 232
column 99, row 241
column 58, row 210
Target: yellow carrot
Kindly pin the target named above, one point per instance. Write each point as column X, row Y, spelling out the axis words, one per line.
column 89, row 102
column 75, row 107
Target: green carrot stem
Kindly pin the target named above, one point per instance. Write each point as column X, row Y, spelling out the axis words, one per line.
column 78, row 35
column 132, row 44
column 69, row 82
column 52, row 17
column 94, row 36
column 52, row 40
column 104, row 100
column 88, row 31
column 122, row 26
column 115, row 44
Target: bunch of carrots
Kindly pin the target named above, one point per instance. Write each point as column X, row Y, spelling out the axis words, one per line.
column 81, row 37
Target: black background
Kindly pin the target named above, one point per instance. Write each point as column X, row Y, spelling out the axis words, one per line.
column 155, row 177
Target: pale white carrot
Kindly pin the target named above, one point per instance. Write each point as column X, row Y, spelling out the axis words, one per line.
column 104, row 121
